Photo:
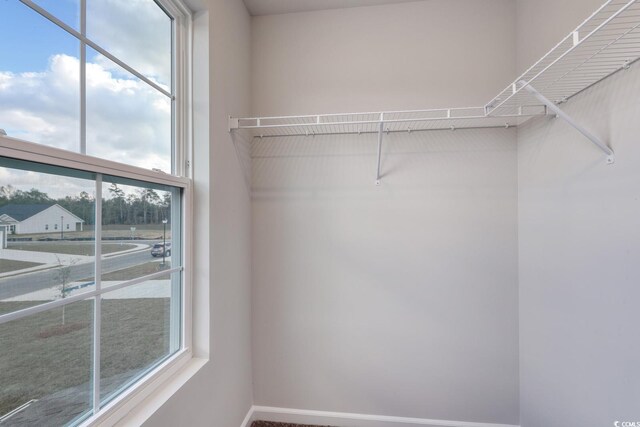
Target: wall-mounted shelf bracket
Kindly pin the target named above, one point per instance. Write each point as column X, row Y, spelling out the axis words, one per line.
column 234, row 123
column 380, row 131
column 564, row 116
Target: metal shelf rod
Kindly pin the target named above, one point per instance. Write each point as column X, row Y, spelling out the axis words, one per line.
column 370, row 113
column 380, row 130
column 387, row 131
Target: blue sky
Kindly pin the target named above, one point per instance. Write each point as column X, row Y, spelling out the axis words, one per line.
column 28, row 40
column 126, row 119
column 138, row 32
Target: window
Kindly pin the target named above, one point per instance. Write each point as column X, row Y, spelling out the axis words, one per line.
column 113, row 100
column 96, row 124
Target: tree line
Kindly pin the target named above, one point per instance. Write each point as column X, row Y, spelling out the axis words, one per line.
column 143, row 206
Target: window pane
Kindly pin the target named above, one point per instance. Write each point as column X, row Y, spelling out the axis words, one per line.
column 138, row 217
column 138, row 32
column 68, row 11
column 128, row 121
column 45, row 365
column 46, row 222
column 39, row 82
column 140, row 328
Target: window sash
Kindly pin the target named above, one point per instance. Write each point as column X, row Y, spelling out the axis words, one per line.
column 37, row 153
column 179, row 93
column 95, row 169
column 181, row 136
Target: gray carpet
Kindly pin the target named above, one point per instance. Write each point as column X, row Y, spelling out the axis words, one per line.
column 273, row 424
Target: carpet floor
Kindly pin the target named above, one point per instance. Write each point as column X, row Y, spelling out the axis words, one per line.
column 273, row 424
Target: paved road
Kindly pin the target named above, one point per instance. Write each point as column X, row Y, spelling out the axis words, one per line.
column 30, row 282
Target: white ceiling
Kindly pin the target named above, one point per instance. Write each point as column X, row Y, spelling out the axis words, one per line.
column 273, row 7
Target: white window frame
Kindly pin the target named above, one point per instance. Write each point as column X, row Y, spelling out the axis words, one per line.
column 182, row 136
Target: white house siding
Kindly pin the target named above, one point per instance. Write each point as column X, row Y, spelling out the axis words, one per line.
column 50, row 217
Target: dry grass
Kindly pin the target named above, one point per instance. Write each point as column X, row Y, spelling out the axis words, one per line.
column 76, row 248
column 7, row 265
column 34, row 364
column 62, row 329
column 120, row 232
column 137, row 271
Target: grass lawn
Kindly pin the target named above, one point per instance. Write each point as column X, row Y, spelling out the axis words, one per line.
column 77, row 248
column 137, row 271
column 40, row 357
column 7, row 265
column 120, row 232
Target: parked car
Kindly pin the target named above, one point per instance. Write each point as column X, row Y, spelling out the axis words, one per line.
column 159, row 250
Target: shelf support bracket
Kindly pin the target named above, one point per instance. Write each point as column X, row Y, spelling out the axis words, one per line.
column 567, row 118
column 233, row 123
column 380, row 131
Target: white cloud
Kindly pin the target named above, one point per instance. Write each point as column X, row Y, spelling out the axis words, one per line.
column 42, row 106
column 127, row 120
column 137, row 32
column 4, row 79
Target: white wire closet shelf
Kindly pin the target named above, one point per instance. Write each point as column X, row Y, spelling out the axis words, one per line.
column 392, row 121
column 607, row 42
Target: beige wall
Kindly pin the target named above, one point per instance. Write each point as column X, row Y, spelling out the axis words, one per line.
column 543, row 23
column 425, row 54
column 579, row 245
column 401, row 299
column 220, row 394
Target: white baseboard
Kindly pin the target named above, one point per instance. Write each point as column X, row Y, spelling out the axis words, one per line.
column 249, row 418
column 342, row 419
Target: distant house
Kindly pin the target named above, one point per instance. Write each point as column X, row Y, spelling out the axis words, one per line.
column 26, row 219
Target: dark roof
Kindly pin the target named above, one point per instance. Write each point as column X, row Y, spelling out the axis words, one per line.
column 22, row 212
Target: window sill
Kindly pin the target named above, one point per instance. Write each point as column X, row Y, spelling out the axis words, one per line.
column 136, row 405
